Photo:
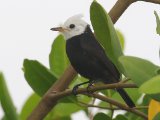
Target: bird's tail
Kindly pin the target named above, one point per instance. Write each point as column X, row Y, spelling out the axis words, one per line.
column 126, row 97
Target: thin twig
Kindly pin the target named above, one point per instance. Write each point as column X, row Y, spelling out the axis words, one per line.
column 107, row 108
column 141, row 107
column 96, row 106
column 111, row 106
column 90, row 112
column 120, row 105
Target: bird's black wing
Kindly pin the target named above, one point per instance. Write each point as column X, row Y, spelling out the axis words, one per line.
column 92, row 48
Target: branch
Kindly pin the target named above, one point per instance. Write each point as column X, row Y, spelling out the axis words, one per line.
column 68, row 92
column 96, row 106
column 151, row 1
column 46, row 104
column 119, row 8
column 90, row 114
column 108, row 108
column 120, row 105
column 59, row 95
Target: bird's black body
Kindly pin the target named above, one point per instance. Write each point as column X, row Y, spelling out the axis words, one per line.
column 89, row 60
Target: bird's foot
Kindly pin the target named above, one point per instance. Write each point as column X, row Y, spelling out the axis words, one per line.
column 74, row 90
column 90, row 85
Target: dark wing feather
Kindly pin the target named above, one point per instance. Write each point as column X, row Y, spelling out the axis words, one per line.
column 92, row 48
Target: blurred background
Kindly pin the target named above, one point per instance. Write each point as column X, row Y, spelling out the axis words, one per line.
column 25, row 33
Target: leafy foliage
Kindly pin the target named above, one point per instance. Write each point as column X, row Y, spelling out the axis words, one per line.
column 121, row 39
column 105, row 32
column 6, row 101
column 120, row 117
column 158, row 23
column 101, row 116
column 155, row 81
column 57, row 58
column 134, row 69
column 29, row 105
column 142, row 72
column 38, row 76
column 155, row 96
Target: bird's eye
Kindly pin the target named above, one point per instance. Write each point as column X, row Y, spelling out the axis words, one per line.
column 71, row 26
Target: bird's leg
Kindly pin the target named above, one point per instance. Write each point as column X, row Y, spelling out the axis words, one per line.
column 74, row 90
column 89, row 85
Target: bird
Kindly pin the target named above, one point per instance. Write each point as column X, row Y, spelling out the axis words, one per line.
column 87, row 56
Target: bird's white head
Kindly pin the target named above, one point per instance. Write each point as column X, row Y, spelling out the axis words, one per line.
column 72, row 27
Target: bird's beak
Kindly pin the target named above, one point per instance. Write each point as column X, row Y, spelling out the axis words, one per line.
column 60, row 29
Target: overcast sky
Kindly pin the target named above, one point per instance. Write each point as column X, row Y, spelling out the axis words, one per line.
column 25, row 33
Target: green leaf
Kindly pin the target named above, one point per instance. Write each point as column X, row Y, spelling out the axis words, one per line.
column 145, row 102
column 104, row 104
column 101, row 116
column 158, row 23
column 120, row 117
column 68, row 99
column 58, row 60
column 6, row 101
column 38, row 76
column 63, row 109
column 139, row 70
column 60, row 118
column 131, row 116
column 155, row 96
column 121, row 39
column 29, row 105
column 151, row 86
column 157, row 116
column 105, row 33
column 53, row 116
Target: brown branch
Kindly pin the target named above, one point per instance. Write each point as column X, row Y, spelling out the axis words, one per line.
column 103, row 98
column 119, row 8
column 46, row 104
column 141, row 107
column 120, row 105
column 59, row 95
column 68, row 92
column 107, row 108
column 96, row 106
column 151, row 1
